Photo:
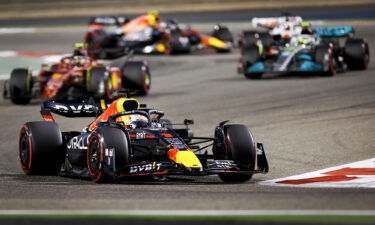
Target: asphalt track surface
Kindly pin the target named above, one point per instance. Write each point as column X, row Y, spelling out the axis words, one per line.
column 306, row 123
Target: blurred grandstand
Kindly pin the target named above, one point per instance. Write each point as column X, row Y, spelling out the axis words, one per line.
column 64, row 8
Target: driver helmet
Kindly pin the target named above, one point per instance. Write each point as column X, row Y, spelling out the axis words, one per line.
column 137, row 121
column 306, row 28
column 153, row 18
column 305, row 40
column 79, row 49
column 78, row 61
column 302, row 40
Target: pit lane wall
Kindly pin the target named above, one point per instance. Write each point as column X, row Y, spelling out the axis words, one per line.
column 64, row 8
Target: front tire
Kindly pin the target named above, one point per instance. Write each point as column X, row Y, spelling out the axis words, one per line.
column 41, row 148
column 106, row 139
column 357, row 54
column 20, row 86
column 241, row 149
column 98, row 83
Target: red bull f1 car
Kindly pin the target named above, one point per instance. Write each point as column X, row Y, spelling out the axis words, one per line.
column 148, row 34
column 130, row 140
column 77, row 76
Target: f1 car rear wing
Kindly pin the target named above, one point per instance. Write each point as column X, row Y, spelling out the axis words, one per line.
column 109, row 20
column 271, row 22
column 73, row 108
column 81, row 108
column 334, row 31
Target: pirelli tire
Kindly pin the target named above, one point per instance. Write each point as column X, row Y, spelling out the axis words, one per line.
column 20, row 86
column 137, row 76
column 172, row 43
column 248, row 38
column 41, row 148
column 241, row 149
column 252, row 37
column 357, row 54
column 250, row 55
column 94, row 41
column 324, row 56
column 266, row 39
column 106, row 139
column 98, row 83
column 168, row 40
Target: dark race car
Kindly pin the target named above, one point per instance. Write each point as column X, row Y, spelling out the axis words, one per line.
column 148, row 34
column 295, row 46
column 129, row 140
column 77, row 76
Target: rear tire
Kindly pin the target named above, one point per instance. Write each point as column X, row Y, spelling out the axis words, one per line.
column 104, row 138
column 168, row 40
column 241, row 149
column 98, row 82
column 94, row 41
column 20, row 86
column 41, row 148
column 172, row 44
column 357, row 54
column 136, row 75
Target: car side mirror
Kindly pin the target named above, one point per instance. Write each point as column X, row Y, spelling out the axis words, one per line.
column 188, row 122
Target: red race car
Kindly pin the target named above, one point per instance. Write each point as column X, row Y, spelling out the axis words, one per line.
column 77, row 76
column 148, row 34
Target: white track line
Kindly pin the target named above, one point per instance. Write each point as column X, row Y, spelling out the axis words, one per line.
column 353, row 175
column 47, row 56
column 8, row 54
column 190, row 212
column 4, row 76
column 14, row 30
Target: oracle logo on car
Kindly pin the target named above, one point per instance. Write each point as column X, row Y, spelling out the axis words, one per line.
column 78, row 142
